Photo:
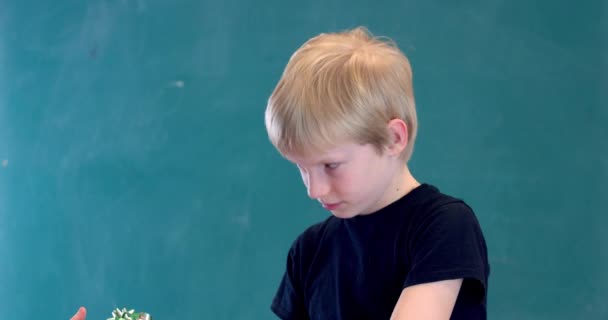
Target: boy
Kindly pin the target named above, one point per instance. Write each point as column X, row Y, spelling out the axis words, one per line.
column 343, row 112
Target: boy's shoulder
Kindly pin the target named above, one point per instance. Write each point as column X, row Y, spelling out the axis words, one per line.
column 434, row 205
column 423, row 202
column 435, row 200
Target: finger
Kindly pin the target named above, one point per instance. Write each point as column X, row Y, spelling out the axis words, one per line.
column 81, row 314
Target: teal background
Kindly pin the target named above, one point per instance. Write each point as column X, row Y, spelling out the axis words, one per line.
column 135, row 169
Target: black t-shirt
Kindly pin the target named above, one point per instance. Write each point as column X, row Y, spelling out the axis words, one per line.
column 356, row 268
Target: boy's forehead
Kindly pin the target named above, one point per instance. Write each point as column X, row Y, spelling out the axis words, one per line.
column 319, row 156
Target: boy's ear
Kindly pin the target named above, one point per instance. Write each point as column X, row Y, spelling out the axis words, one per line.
column 398, row 137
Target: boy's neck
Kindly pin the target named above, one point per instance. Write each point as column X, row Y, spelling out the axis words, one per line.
column 402, row 184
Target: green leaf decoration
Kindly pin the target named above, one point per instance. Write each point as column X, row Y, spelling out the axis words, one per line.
column 124, row 314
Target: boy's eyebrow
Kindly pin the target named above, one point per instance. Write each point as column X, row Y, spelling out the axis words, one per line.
column 328, row 157
column 331, row 158
column 320, row 161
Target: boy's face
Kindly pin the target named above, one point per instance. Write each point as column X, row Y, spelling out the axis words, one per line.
column 350, row 179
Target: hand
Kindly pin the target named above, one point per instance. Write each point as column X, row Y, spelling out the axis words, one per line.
column 81, row 314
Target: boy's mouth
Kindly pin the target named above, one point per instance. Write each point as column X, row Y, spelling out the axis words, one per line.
column 331, row 206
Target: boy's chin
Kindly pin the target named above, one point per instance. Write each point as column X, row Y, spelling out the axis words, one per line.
column 343, row 213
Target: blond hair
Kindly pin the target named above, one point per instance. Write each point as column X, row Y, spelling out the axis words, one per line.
column 340, row 87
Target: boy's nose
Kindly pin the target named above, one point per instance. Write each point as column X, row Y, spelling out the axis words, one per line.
column 317, row 188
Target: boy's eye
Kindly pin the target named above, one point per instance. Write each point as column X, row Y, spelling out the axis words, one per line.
column 331, row 165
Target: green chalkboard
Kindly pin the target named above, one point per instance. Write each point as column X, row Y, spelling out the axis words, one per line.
column 135, row 170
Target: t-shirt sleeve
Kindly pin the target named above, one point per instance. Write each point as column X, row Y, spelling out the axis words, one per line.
column 448, row 244
column 288, row 303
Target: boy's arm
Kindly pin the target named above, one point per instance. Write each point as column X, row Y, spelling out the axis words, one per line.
column 432, row 301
